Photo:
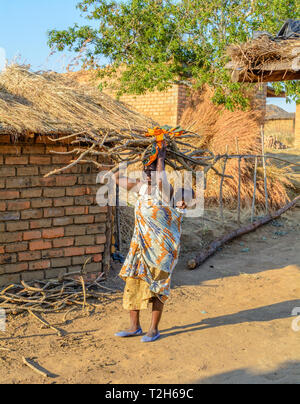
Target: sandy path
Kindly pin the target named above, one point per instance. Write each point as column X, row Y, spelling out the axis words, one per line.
column 228, row 322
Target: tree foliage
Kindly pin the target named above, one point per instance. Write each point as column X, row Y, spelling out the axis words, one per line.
column 151, row 44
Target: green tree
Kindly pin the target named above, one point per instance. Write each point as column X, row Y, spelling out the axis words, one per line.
column 154, row 43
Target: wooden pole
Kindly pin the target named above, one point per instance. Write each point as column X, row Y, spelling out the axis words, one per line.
column 239, row 185
column 264, row 167
column 216, row 244
column 221, row 187
column 254, row 191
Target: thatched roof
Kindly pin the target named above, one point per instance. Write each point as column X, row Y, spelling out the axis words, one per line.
column 50, row 103
column 265, row 60
column 273, row 112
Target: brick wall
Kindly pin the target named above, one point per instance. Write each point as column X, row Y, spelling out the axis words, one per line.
column 47, row 225
column 164, row 107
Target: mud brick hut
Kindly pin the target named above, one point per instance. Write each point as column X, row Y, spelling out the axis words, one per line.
column 51, row 225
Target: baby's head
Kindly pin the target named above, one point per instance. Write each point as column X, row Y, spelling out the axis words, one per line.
column 183, row 197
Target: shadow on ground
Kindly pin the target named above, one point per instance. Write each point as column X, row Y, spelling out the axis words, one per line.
column 261, row 314
column 287, row 373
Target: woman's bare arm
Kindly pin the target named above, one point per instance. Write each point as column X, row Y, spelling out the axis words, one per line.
column 164, row 186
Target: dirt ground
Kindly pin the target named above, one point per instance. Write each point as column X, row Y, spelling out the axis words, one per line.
column 227, row 322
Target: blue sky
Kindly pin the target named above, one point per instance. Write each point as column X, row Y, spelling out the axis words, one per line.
column 23, row 34
column 24, row 25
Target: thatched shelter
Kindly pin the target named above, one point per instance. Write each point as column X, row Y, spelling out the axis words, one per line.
column 265, row 60
column 52, row 225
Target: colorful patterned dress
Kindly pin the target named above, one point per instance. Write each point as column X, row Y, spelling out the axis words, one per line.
column 153, row 252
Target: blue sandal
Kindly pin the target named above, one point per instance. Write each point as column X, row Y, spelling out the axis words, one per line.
column 125, row 334
column 150, row 339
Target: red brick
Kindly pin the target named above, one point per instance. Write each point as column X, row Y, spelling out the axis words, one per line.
column 9, row 279
column 31, row 193
column 53, row 233
column 1, row 159
column 84, row 200
column 2, row 250
column 18, row 182
column 10, row 149
column 40, row 160
column 60, row 262
column 32, row 235
column 17, row 226
column 27, row 171
column 16, row 160
column 101, row 239
column 13, row 268
column 97, row 258
column 54, row 148
column 76, row 191
column 54, row 212
column 9, row 194
column 39, row 224
column 87, row 179
column 41, row 203
column 53, row 253
column 84, row 240
column 9, row 216
column 39, row 245
column 36, row 149
column 54, row 192
column 64, row 181
column 61, row 159
column 2, row 206
column 32, row 214
column 8, row 258
column 39, row 265
column 75, row 230
column 100, row 218
column 7, row 171
column 98, row 209
column 63, row 242
column 29, row 255
column 18, row 205
column 64, row 202
column 62, row 221
column 5, row 139
column 84, row 219
column 74, row 251
column 16, row 247
column 94, row 249
column 32, row 275
column 96, row 228
column 39, row 181
column 75, row 210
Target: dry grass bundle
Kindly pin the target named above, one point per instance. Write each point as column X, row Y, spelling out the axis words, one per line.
column 220, row 128
column 50, row 103
column 252, row 55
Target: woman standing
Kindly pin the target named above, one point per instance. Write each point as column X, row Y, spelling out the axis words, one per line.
column 154, row 247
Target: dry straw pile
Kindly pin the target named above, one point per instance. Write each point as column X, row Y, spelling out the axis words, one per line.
column 221, row 129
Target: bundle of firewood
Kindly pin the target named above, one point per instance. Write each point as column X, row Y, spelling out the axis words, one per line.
column 108, row 149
